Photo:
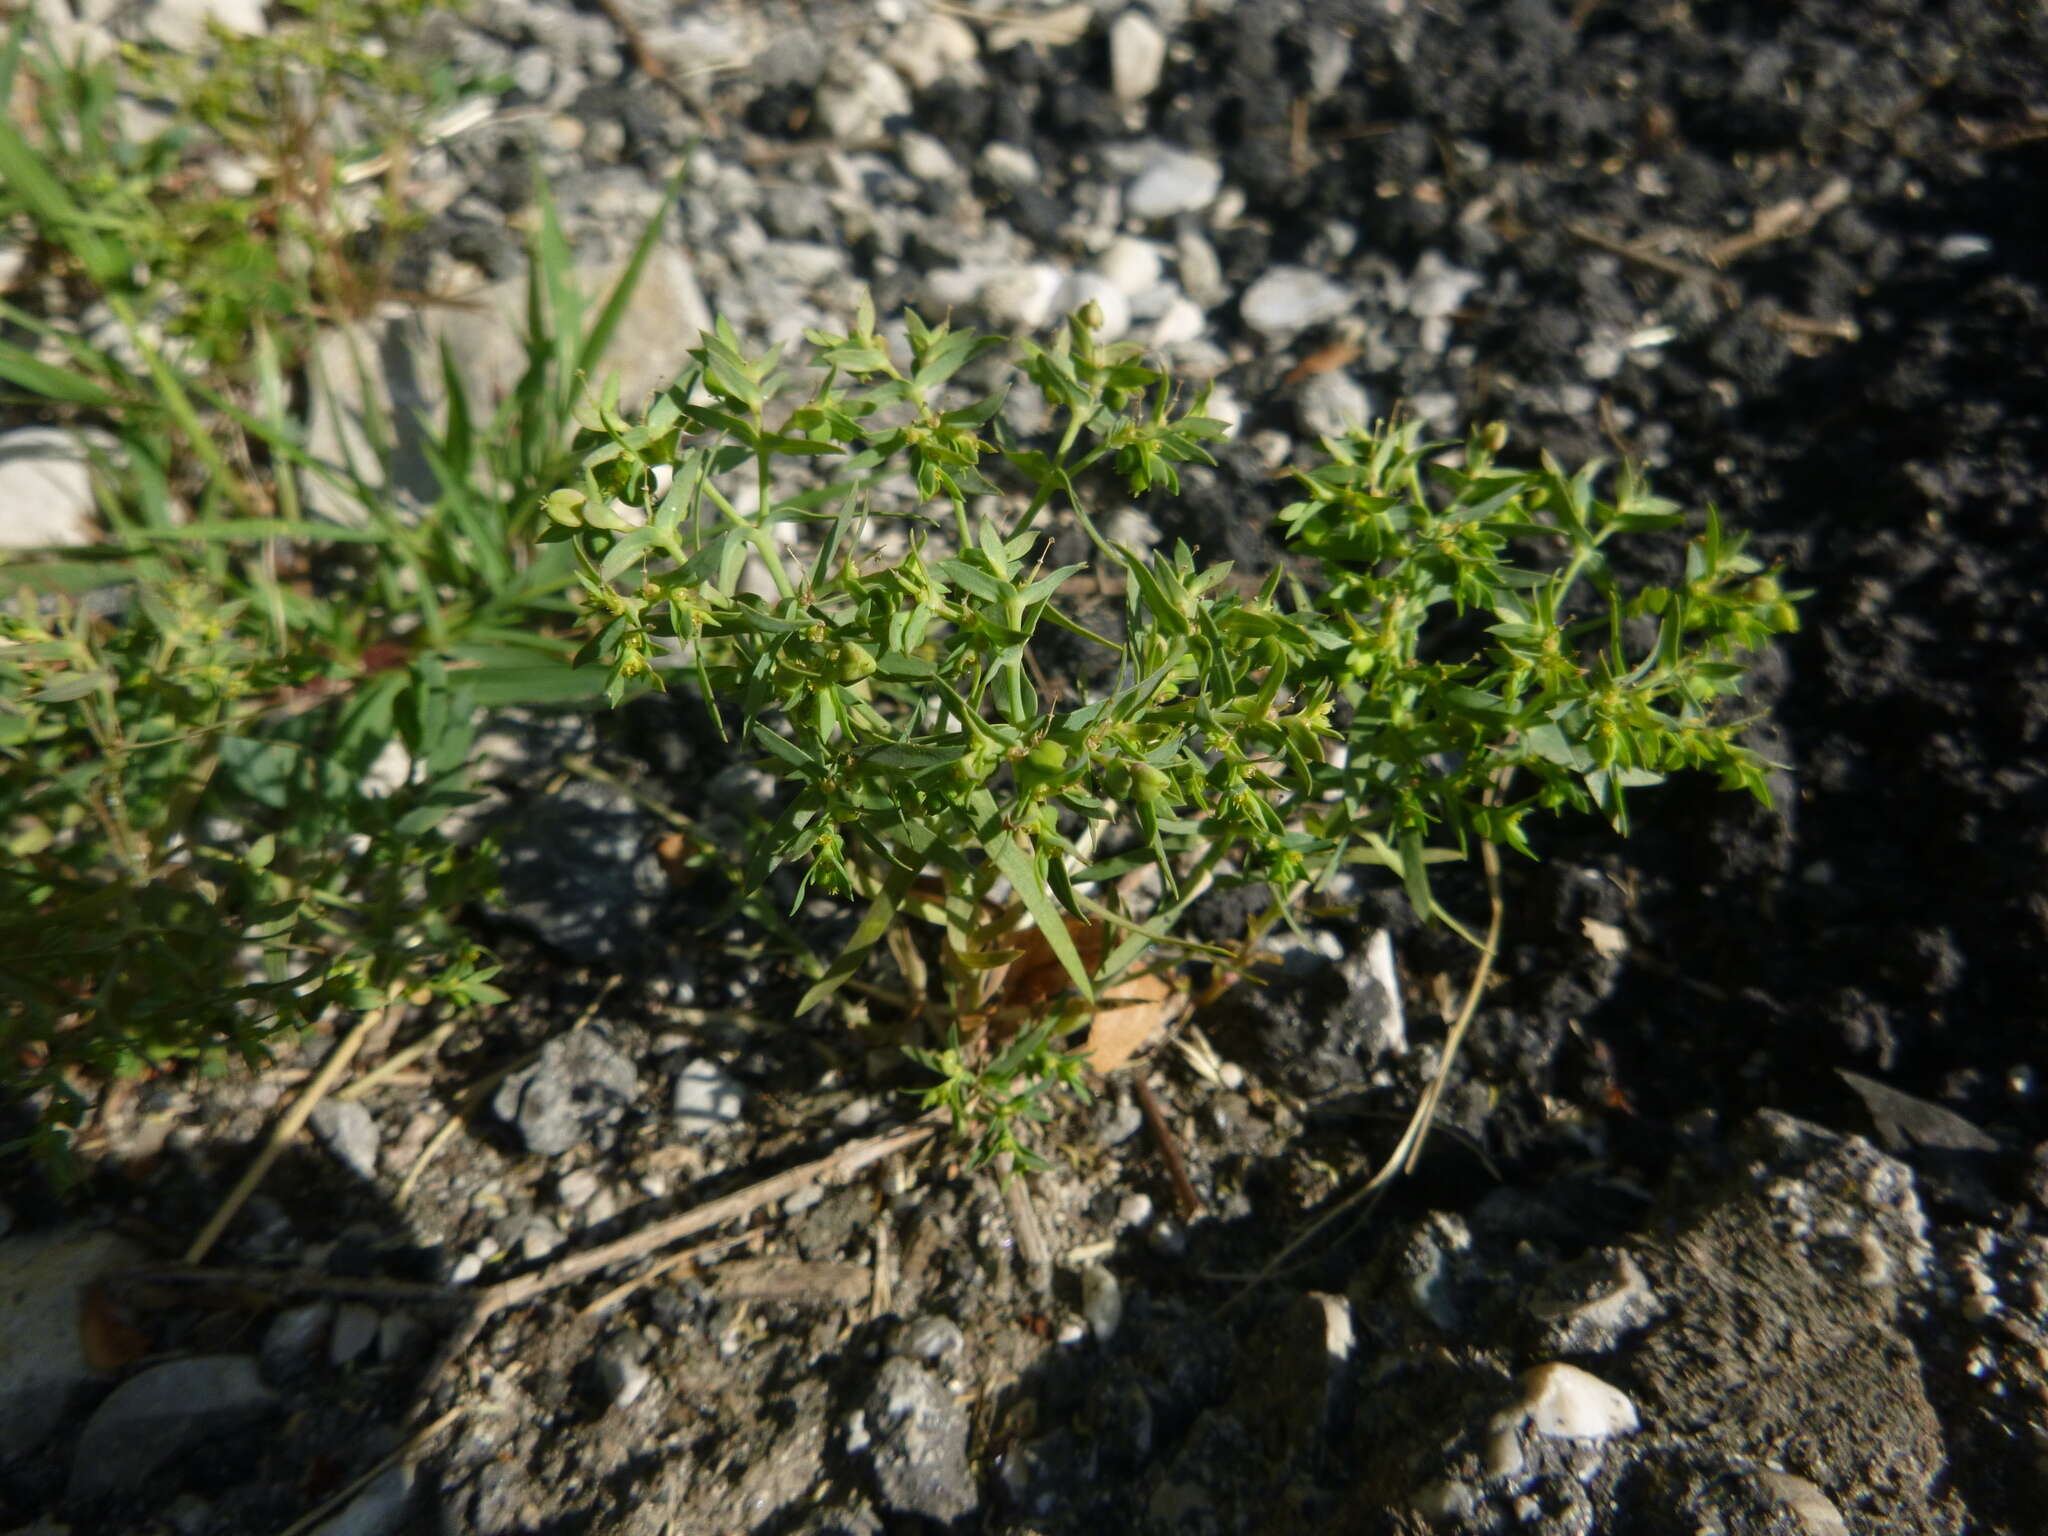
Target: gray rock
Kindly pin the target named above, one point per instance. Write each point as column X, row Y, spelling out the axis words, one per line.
column 1134, row 266
column 379, row 1510
column 1290, row 299
column 1437, row 288
column 43, row 1367
column 576, row 1189
column 915, row 1438
column 401, row 1338
column 1173, row 182
column 1588, row 1306
column 935, row 47
column 537, row 1237
column 158, row 1415
column 926, row 158
column 930, row 1338
column 859, row 98
column 578, row 869
column 1007, row 165
column 292, row 1341
column 620, row 1379
column 345, row 1128
column 355, row 1330
column 580, row 1082
column 1137, row 54
column 1332, row 404
column 1021, row 298
column 706, row 1097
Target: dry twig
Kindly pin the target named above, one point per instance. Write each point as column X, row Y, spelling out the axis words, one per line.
column 1408, row 1150
column 1184, row 1194
column 282, row 1133
column 833, row 1168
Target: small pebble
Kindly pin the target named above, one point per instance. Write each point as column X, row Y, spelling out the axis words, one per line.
column 1562, row 1402
column 931, row 1338
column 1102, row 1302
column 355, row 1330
column 1137, row 55
column 706, row 1097
column 1290, row 299
column 1007, row 166
column 1175, row 182
column 576, row 1189
column 539, row 1238
column 621, row 1380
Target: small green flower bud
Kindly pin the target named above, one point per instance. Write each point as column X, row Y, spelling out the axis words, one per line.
column 1047, row 757
column 1150, row 783
column 851, row 662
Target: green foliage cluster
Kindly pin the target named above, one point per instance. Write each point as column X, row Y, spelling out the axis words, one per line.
column 194, row 851
column 1453, row 653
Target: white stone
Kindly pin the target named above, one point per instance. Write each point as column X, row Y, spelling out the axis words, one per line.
column 1333, row 403
column 346, row 1128
column 182, row 24
column 46, row 492
column 926, row 158
column 1174, row 182
column 1021, row 298
column 1133, row 265
column 933, row 47
column 1379, row 965
column 1181, row 320
column 1436, row 288
column 1813, row 1511
column 1201, row 270
column 539, row 1238
column 1562, row 1402
column 1007, row 165
column 1290, row 299
column 859, row 97
column 1102, row 1302
column 706, row 1098
column 1137, row 54
column 577, row 1189
column 1084, row 288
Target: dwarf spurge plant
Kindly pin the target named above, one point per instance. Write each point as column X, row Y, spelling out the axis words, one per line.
column 1453, row 653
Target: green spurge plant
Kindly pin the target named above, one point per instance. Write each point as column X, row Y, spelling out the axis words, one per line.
column 1455, row 652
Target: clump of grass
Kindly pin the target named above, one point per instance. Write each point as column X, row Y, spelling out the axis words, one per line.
column 198, row 855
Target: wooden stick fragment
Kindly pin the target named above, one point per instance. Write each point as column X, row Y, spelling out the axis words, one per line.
column 1184, row 1194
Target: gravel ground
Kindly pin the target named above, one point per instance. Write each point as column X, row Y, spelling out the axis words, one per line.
column 1738, row 1222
